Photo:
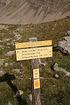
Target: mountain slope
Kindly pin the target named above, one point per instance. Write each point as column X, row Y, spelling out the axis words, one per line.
column 32, row 11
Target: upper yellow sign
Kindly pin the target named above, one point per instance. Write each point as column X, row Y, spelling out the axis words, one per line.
column 33, row 44
column 33, row 50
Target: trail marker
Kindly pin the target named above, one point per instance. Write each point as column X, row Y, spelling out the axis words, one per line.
column 36, row 73
column 34, row 50
column 36, row 83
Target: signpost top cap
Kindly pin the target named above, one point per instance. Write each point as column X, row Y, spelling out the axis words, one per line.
column 33, row 39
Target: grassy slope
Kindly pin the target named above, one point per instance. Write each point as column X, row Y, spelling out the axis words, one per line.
column 53, row 91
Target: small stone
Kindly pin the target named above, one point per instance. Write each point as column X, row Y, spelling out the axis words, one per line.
column 17, row 36
column 6, row 64
column 1, row 46
column 10, row 53
column 11, row 64
column 68, row 74
column 53, row 29
column 55, row 67
column 1, row 62
column 2, row 72
column 9, row 103
column 20, row 92
column 8, row 44
column 17, row 70
column 30, row 97
column 56, row 76
column 42, row 63
column 68, row 33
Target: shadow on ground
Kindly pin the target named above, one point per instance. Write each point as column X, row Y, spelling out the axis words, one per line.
column 8, row 79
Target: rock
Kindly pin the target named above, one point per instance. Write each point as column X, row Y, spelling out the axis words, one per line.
column 68, row 33
column 6, row 40
column 16, row 70
column 19, row 29
column 10, row 53
column 9, row 103
column 3, row 27
column 68, row 74
column 57, row 68
column 1, row 46
column 20, row 92
column 67, row 38
column 1, row 62
column 2, row 72
column 6, row 64
column 13, row 42
column 8, row 44
column 53, row 29
column 64, row 45
column 30, row 97
column 0, row 41
column 17, row 36
column 9, row 64
column 42, row 63
column 56, row 76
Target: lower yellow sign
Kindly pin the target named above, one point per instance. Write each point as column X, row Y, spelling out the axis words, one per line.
column 37, row 84
column 33, row 53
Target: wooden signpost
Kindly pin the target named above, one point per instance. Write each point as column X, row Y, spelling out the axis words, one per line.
column 34, row 50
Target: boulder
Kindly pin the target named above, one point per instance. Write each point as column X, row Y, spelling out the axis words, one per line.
column 64, row 45
column 56, row 68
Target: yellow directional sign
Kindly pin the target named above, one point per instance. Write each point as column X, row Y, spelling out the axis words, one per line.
column 33, row 53
column 37, row 84
column 33, row 44
column 35, row 73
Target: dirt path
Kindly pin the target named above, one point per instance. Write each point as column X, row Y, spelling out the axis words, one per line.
column 32, row 11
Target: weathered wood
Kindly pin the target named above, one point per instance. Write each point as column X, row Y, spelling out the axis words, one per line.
column 35, row 92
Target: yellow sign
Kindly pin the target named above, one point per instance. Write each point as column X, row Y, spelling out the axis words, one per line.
column 33, row 44
column 33, row 53
column 35, row 73
column 37, row 84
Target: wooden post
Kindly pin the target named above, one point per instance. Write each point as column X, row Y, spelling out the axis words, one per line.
column 35, row 91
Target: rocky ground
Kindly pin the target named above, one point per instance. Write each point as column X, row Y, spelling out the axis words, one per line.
column 64, row 45
column 54, row 89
